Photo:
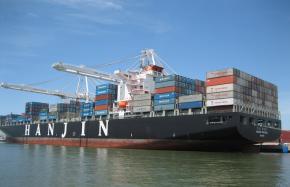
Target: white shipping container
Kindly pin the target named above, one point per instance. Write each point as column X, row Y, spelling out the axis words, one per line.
column 142, row 97
column 220, row 88
column 141, row 103
column 220, row 73
column 142, row 109
column 221, row 102
column 190, row 98
column 221, row 95
column 52, row 108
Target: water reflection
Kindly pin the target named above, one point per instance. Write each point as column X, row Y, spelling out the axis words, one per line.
column 32, row 165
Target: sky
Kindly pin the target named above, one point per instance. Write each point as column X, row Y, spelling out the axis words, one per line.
column 193, row 36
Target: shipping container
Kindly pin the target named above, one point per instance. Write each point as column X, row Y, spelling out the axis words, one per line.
column 190, row 98
column 165, row 96
column 52, row 108
column 164, row 107
column 141, row 97
column 164, row 101
column 142, row 109
column 188, row 105
column 167, row 78
column 222, row 88
column 221, row 80
column 168, row 90
column 103, row 102
column 141, row 103
column 101, row 113
column 224, row 95
column 221, row 73
column 106, row 96
column 106, row 87
column 168, row 84
column 87, row 114
column 103, row 107
column 222, row 102
column 104, row 92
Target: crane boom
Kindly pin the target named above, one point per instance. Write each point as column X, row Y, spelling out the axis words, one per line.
column 84, row 71
column 27, row 88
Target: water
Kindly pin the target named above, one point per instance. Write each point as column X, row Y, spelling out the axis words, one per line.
column 40, row 165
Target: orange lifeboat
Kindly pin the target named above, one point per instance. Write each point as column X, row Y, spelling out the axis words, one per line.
column 123, row 104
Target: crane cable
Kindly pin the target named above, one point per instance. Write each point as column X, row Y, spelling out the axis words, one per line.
column 123, row 61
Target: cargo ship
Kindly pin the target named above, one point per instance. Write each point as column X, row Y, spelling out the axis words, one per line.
column 149, row 108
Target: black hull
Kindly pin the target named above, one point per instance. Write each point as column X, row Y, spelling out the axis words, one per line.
column 192, row 132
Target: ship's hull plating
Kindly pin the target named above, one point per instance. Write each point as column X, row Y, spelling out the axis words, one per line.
column 192, row 132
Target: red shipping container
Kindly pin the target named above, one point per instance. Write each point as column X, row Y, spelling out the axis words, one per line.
column 221, row 80
column 285, row 136
column 167, row 89
column 102, row 107
column 103, row 97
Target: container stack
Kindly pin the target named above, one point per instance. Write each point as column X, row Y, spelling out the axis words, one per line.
column 168, row 88
column 87, row 109
column 106, row 95
column 190, row 102
column 21, row 119
column 11, row 119
column 32, row 109
column 52, row 117
column 43, row 116
column 142, row 103
column 233, row 87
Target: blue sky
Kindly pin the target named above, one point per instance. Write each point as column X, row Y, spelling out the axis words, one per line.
column 193, row 36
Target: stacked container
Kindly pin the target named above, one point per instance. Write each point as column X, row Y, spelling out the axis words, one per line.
column 21, row 119
column 53, row 108
column 87, row 109
column 142, row 103
column 32, row 109
column 190, row 101
column 43, row 116
column 233, row 87
column 106, row 95
column 168, row 88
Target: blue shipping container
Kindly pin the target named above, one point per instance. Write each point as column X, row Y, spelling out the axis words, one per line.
column 164, row 107
column 86, row 105
column 106, row 87
column 101, row 113
column 103, row 102
column 52, row 117
column 164, row 101
column 103, row 92
column 87, row 110
column 165, row 96
column 196, row 104
column 167, row 78
column 87, row 114
column 43, row 118
column 43, row 114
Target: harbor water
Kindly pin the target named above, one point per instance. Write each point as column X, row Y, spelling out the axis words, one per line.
column 41, row 165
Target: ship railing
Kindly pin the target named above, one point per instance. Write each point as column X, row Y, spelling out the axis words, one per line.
column 257, row 110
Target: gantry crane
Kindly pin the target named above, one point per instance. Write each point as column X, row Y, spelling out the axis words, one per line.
column 26, row 88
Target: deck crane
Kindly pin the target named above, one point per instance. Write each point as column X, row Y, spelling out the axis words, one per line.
column 26, row 88
column 128, row 82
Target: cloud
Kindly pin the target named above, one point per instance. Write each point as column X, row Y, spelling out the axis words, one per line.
column 99, row 4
